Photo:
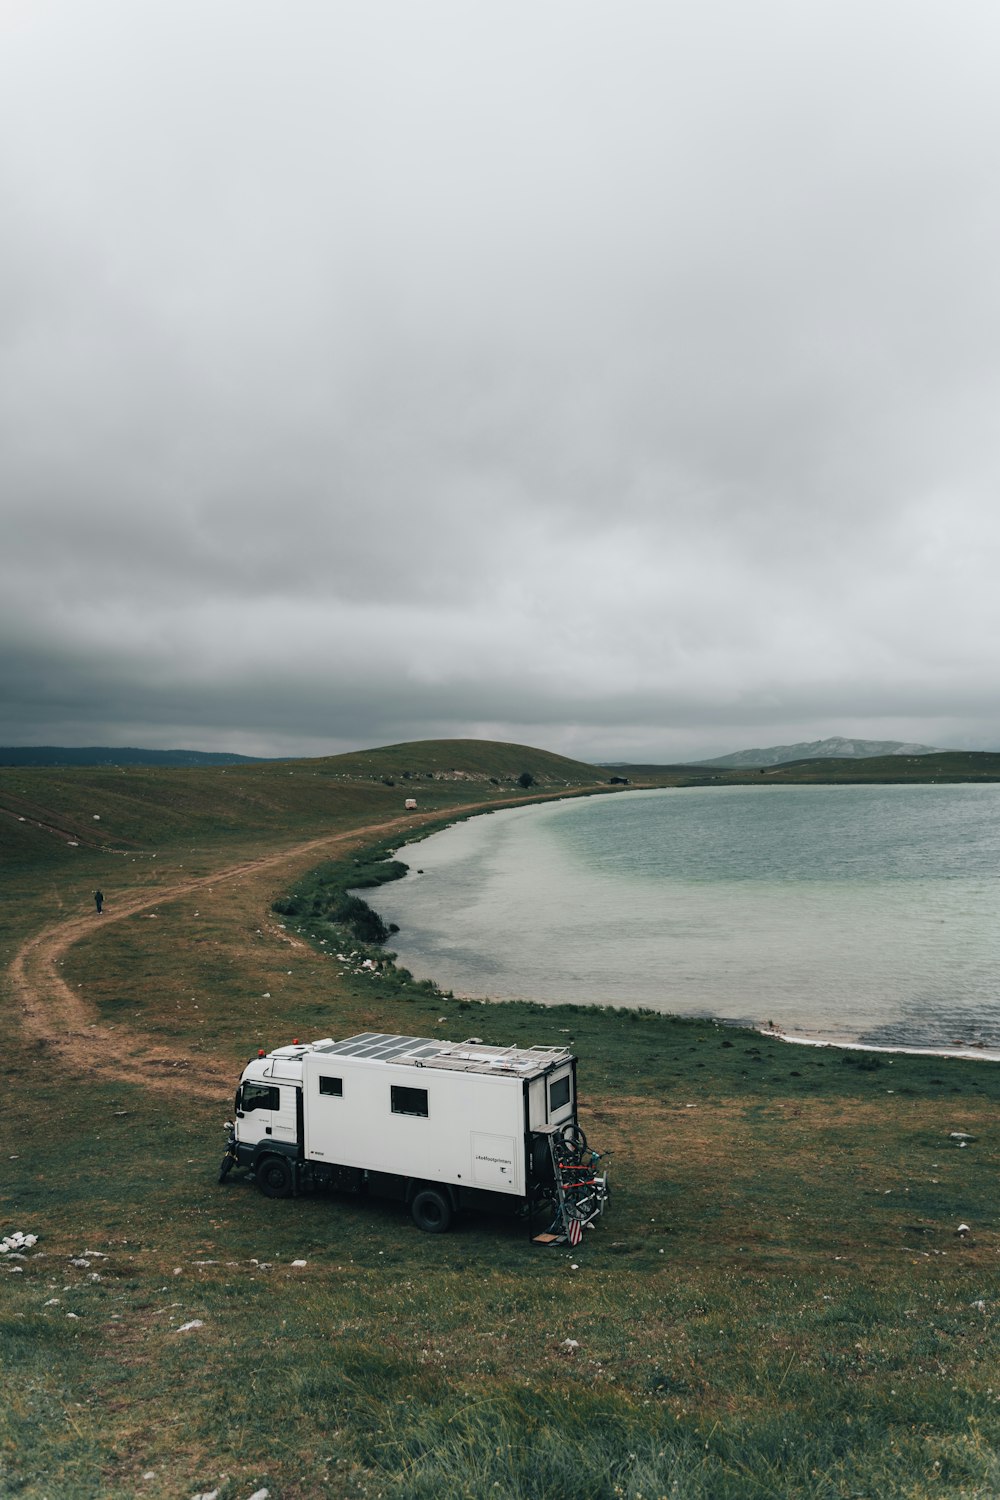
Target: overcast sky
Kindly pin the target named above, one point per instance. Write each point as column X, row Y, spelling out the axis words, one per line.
column 618, row 379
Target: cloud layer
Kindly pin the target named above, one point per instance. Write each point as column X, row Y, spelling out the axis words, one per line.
column 621, row 382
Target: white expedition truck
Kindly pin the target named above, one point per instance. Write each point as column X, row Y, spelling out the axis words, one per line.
column 438, row 1125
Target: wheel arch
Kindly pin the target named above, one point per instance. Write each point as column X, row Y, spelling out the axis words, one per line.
column 415, row 1185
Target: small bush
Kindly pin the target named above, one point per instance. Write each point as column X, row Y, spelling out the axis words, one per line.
column 366, row 925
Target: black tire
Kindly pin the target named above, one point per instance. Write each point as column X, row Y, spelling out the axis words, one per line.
column 574, row 1138
column 226, row 1165
column 541, row 1162
column 274, row 1176
column 431, row 1211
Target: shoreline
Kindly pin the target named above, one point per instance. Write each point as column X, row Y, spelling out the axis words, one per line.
column 968, row 1052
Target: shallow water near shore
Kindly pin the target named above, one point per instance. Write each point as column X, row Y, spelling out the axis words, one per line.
column 854, row 913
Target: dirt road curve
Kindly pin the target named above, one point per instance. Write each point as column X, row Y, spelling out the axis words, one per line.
column 58, row 1018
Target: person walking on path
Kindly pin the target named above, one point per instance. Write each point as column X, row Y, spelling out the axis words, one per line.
column 99, row 901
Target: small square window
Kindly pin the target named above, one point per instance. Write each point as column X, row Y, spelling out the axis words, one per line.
column 408, row 1101
column 333, row 1086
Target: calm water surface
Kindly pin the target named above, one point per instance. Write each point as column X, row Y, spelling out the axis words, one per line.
column 861, row 913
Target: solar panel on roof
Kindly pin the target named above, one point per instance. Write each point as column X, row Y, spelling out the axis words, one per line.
column 382, row 1045
column 354, row 1044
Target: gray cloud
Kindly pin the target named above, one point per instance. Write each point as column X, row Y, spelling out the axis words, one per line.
column 619, row 382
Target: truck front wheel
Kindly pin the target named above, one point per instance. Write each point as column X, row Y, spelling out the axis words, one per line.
column 274, row 1176
column 431, row 1211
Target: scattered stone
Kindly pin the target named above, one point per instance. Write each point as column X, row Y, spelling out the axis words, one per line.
column 15, row 1243
column 186, row 1327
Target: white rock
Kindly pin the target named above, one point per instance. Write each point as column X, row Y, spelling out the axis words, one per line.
column 299, row 1262
column 186, row 1327
column 260, row 1495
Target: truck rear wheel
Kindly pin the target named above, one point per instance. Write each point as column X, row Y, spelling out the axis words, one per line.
column 431, row 1211
column 274, row 1176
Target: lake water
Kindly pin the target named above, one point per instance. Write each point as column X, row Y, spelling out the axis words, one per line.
column 837, row 913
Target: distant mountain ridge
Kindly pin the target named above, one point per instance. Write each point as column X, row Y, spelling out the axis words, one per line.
column 105, row 755
column 834, row 748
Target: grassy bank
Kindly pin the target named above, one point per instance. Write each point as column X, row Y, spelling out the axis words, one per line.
column 777, row 1302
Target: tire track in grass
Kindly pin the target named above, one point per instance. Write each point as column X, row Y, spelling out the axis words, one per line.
column 59, row 1019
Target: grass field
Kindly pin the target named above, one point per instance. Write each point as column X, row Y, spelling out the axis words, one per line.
column 777, row 1302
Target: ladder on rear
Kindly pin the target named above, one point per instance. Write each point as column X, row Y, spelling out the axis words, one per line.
column 578, row 1191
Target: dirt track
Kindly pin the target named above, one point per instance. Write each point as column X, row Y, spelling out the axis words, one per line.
column 59, row 1019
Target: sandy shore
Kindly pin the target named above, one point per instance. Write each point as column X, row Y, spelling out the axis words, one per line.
column 972, row 1052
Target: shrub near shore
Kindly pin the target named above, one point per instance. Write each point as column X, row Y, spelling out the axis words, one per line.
column 777, row 1302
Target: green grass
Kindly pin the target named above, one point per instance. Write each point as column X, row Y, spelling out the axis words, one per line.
column 776, row 1303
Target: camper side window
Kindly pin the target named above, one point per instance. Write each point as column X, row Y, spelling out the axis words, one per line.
column 559, row 1093
column 334, row 1086
column 260, row 1096
column 409, row 1101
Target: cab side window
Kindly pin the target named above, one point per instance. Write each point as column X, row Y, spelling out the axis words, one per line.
column 260, row 1096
